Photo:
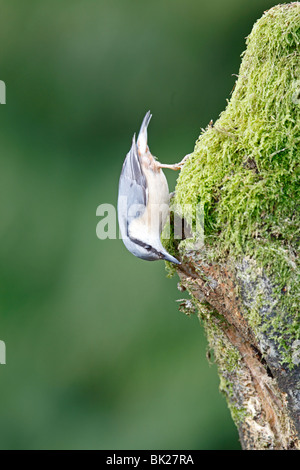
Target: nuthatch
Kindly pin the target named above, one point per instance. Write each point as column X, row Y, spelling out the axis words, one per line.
column 143, row 201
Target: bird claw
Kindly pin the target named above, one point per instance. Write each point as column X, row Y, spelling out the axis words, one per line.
column 183, row 161
column 176, row 166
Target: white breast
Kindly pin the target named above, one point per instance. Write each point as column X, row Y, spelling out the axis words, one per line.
column 149, row 226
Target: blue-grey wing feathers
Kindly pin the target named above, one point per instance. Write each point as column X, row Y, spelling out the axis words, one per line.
column 132, row 199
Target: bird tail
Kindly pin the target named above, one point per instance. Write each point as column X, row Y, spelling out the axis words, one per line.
column 142, row 137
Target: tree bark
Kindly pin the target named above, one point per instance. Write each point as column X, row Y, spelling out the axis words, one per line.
column 262, row 394
column 244, row 279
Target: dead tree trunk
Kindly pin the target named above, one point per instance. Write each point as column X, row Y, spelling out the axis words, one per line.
column 244, row 279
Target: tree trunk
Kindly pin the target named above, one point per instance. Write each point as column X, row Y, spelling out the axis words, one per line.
column 244, row 278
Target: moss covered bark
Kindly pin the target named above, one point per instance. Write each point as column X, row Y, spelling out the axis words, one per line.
column 244, row 280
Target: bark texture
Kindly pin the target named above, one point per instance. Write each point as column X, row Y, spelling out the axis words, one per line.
column 243, row 277
column 262, row 394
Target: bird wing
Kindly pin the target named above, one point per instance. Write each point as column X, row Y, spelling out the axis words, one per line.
column 132, row 199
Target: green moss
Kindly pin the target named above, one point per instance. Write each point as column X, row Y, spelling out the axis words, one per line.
column 238, row 413
column 170, row 244
column 254, row 315
column 227, row 356
column 229, row 363
column 245, row 169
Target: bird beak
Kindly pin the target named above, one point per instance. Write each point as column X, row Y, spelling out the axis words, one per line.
column 168, row 257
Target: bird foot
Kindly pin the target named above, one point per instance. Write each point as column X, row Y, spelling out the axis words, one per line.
column 176, row 166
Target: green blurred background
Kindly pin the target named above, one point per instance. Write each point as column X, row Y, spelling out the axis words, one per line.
column 98, row 356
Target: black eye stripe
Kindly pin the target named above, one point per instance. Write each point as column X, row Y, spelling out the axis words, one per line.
column 147, row 247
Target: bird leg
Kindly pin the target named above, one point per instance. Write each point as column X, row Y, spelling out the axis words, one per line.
column 176, row 166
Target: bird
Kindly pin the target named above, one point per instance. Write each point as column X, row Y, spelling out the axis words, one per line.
column 143, row 199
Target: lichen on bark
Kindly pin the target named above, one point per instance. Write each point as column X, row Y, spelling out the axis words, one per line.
column 245, row 172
